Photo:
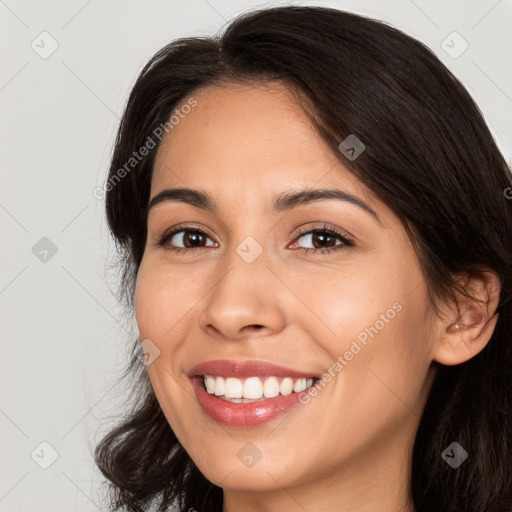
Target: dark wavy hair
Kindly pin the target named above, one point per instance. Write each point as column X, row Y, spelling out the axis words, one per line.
column 429, row 156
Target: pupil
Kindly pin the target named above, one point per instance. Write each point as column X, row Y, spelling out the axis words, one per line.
column 322, row 236
column 192, row 235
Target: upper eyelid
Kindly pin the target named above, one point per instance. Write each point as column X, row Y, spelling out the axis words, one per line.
column 324, row 227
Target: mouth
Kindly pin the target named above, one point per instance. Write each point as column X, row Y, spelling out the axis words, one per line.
column 253, row 389
column 248, row 393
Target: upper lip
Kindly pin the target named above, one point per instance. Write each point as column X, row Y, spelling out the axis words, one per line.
column 244, row 369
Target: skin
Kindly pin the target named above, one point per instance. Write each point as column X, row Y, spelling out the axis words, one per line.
column 349, row 448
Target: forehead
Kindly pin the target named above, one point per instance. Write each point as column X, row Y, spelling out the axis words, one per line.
column 255, row 139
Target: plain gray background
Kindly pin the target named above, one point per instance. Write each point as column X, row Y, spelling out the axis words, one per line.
column 64, row 338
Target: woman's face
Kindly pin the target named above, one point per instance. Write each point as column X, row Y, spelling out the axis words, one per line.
column 352, row 311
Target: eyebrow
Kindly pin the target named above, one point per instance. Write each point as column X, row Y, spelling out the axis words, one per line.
column 282, row 202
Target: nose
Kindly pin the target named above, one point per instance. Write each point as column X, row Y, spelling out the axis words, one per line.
column 242, row 302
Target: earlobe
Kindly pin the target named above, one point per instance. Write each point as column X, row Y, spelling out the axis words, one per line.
column 468, row 326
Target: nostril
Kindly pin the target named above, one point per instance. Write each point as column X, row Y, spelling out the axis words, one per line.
column 253, row 327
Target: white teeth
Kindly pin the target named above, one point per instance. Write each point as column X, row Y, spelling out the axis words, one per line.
column 299, row 385
column 219, row 386
column 233, row 388
column 253, row 387
column 210, row 385
column 286, row 386
column 271, row 387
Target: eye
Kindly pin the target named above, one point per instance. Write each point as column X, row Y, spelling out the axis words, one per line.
column 185, row 237
column 324, row 240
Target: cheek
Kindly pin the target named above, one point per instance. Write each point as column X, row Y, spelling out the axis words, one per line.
column 381, row 296
column 373, row 320
column 159, row 301
column 159, row 314
column 146, row 303
column 349, row 303
column 386, row 358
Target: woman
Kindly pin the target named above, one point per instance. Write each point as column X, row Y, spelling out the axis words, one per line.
column 317, row 243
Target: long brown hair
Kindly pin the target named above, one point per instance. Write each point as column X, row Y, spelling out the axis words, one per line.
column 429, row 156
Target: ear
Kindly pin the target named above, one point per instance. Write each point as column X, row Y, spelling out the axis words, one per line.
column 467, row 325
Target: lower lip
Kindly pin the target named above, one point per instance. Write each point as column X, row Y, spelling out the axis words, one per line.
column 250, row 414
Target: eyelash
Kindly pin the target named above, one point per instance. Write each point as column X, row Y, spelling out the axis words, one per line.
column 346, row 241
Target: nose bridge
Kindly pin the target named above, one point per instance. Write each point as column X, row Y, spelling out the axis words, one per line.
column 242, row 295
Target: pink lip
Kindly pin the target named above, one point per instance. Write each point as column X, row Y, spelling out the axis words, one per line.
column 244, row 369
column 249, row 414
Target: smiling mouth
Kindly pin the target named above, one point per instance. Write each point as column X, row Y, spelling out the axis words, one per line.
column 253, row 389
